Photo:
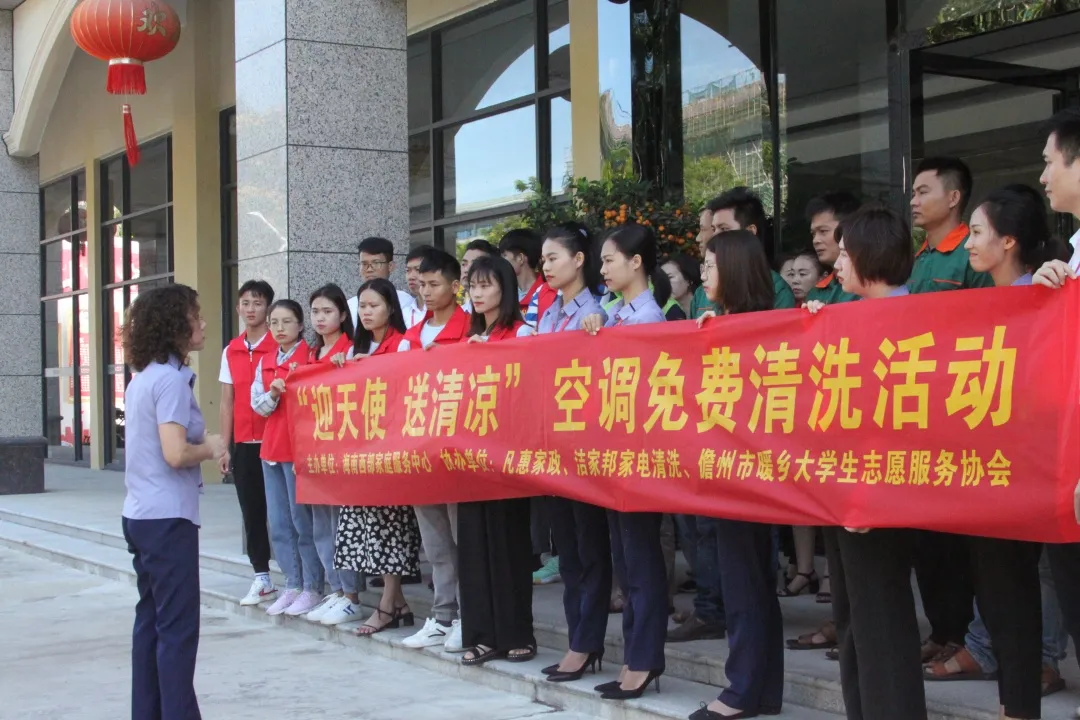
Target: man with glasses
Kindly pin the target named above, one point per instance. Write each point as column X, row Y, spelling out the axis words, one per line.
column 377, row 261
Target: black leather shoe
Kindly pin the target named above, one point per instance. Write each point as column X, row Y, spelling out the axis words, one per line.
column 695, row 629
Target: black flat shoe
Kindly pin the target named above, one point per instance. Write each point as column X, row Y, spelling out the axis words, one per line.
column 591, row 663
column 619, row 694
column 704, row 713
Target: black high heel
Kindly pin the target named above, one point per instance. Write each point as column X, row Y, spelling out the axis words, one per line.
column 408, row 619
column 604, row 687
column 594, row 661
column 813, row 583
column 620, row 694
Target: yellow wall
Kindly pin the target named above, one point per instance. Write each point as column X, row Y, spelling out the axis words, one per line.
column 424, row 14
column 86, row 121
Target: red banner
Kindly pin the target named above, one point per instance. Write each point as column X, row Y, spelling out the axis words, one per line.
column 952, row 411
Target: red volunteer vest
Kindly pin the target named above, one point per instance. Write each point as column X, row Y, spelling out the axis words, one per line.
column 502, row 333
column 547, row 297
column 343, row 345
column 277, row 441
column 247, row 424
column 390, row 342
column 456, row 328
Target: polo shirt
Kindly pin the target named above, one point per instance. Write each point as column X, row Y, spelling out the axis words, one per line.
column 946, row 267
column 829, row 291
column 783, row 298
column 159, row 395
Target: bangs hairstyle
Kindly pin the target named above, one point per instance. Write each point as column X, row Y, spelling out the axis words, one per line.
column 363, row 337
column 442, row 262
column 258, row 289
column 576, row 238
column 336, row 295
column 1018, row 211
column 746, row 283
column 293, row 307
column 688, row 267
column 498, row 271
column 522, row 241
column 158, row 325
column 877, row 239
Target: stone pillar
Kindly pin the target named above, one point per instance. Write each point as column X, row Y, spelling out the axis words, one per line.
column 322, row 138
column 22, row 444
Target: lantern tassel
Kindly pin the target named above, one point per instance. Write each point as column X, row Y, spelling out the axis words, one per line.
column 131, row 142
column 126, row 77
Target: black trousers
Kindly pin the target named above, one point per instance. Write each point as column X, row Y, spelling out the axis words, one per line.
column 581, row 535
column 1007, row 589
column 1065, row 567
column 747, row 572
column 495, row 574
column 165, row 638
column 880, row 670
column 639, row 564
column 944, row 571
column 251, row 491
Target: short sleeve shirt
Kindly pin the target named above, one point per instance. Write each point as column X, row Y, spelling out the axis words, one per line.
column 565, row 316
column 946, row 267
column 161, row 394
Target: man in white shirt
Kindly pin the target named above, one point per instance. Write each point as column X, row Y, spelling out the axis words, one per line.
column 1061, row 179
column 377, row 261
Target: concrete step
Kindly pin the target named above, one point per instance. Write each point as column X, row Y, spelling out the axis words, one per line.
column 679, row 697
column 811, row 681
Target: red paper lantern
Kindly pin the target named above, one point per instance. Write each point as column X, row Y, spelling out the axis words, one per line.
column 126, row 34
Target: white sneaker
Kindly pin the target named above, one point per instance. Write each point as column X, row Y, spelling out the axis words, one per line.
column 453, row 641
column 261, row 589
column 319, row 610
column 430, row 635
column 343, row 611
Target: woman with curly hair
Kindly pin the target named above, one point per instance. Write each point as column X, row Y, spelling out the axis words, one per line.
column 166, row 443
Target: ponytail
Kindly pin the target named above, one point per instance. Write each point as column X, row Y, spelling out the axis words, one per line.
column 576, row 238
column 1018, row 211
column 661, row 287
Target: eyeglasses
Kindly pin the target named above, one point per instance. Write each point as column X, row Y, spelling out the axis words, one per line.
column 707, row 266
column 373, row 265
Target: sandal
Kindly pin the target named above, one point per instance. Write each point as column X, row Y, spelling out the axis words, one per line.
column 524, row 654
column 480, row 654
column 833, row 654
column 825, row 596
column 806, row 641
column 394, row 623
column 1051, row 681
column 811, row 584
column 960, row 666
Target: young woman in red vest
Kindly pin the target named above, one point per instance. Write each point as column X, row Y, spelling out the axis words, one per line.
column 380, row 541
column 494, row 542
column 332, row 321
column 291, row 532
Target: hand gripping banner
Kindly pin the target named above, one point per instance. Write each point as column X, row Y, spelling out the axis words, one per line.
column 953, row 411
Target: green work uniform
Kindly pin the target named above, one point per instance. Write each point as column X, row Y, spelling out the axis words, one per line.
column 783, row 298
column 829, row 291
column 946, row 267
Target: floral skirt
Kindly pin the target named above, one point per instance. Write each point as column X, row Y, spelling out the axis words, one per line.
column 378, row 541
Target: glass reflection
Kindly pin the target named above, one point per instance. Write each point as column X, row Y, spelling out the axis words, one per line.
column 149, row 244
column 616, row 129
column 558, row 27
column 562, row 145
column 484, row 159
column 150, row 178
column 489, row 60
column 59, row 267
column 725, row 106
column 420, row 178
column 419, row 70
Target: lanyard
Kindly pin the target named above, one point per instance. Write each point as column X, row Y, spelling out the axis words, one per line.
column 565, row 323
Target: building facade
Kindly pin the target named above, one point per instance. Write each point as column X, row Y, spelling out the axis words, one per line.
column 281, row 132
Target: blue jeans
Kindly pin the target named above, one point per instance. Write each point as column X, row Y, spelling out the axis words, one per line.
column 165, row 639
column 324, row 528
column 291, row 533
column 708, row 600
column 1055, row 639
